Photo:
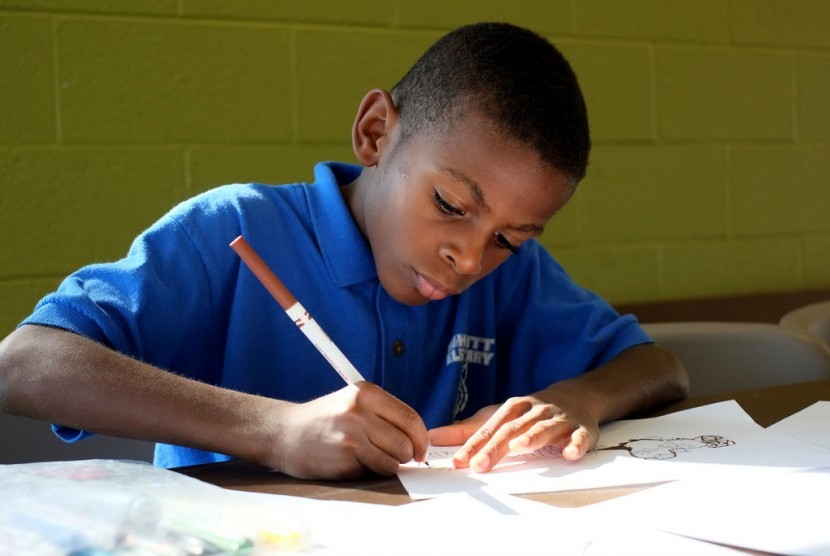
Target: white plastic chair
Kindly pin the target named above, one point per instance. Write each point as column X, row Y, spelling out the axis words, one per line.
column 733, row 356
column 813, row 318
column 24, row 440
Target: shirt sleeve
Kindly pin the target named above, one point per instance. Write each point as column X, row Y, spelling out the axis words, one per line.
column 157, row 304
column 148, row 305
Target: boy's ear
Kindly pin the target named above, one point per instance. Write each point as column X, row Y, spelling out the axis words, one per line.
column 374, row 126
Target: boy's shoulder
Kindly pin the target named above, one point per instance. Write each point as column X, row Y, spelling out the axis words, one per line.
column 249, row 196
column 260, row 209
column 239, row 200
column 241, row 193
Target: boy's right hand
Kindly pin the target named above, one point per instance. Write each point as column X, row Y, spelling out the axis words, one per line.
column 343, row 434
column 51, row 374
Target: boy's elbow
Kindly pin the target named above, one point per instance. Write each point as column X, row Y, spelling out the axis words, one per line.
column 18, row 355
column 678, row 376
column 7, row 357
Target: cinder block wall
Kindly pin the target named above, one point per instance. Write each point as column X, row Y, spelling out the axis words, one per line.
column 711, row 122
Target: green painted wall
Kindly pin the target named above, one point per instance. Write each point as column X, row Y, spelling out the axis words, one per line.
column 711, row 121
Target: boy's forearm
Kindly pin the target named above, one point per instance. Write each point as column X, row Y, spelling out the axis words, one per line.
column 640, row 378
column 60, row 377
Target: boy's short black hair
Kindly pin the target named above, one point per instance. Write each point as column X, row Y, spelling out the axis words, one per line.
column 509, row 74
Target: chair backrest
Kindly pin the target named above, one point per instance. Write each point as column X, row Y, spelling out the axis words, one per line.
column 732, row 356
column 25, row 440
column 813, row 318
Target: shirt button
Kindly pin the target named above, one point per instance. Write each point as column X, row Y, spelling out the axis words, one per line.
column 397, row 347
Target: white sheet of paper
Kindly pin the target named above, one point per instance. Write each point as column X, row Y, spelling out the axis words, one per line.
column 685, row 443
column 463, row 524
column 449, row 525
column 811, row 424
column 782, row 513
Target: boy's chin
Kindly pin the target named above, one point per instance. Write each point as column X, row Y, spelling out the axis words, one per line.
column 411, row 297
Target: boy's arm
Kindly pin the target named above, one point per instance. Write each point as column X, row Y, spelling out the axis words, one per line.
column 61, row 377
column 567, row 414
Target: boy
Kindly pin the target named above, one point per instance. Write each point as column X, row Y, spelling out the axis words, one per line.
column 421, row 266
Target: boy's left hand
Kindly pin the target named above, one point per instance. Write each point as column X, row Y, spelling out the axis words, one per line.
column 520, row 424
column 567, row 414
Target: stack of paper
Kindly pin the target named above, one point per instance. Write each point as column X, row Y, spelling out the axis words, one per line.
column 730, row 481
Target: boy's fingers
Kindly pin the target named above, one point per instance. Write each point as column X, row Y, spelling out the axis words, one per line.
column 406, row 420
column 450, row 435
column 378, row 460
column 489, row 443
column 578, row 446
column 407, row 438
column 392, row 443
column 498, row 446
column 475, row 442
column 522, row 428
column 542, row 434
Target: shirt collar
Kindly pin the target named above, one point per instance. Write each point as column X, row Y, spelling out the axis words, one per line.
column 345, row 250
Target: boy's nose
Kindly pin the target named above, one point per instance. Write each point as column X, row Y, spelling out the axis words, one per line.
column 465, row 259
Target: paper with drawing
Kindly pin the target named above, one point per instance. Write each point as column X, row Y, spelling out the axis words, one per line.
column 712, row 439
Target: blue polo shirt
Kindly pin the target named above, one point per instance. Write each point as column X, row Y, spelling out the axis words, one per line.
column 181, row 300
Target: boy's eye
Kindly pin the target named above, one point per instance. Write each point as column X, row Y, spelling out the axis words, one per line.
column 445, row 207
column 502, row 241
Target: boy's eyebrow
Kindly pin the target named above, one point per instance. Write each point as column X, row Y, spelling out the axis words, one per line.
column 478, row 197
column 529, row 228
column 472, row 185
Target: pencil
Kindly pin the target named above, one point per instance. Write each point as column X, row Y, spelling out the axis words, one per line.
column 296, row 311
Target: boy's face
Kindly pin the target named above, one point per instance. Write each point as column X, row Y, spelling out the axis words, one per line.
column 442, row 211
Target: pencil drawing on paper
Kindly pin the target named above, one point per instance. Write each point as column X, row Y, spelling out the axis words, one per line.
column 652, row 447
column 440, row 458
column 667, row 448
column 438, row 453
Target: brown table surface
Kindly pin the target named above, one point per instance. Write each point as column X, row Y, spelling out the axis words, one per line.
column 766, row 406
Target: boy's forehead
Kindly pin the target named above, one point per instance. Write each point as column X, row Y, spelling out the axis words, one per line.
column 469, row 127
column 466, row 147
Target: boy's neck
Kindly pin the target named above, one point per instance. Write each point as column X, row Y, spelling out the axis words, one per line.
column 351, row 195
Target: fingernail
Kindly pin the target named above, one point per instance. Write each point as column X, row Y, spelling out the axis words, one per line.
column 481, row 462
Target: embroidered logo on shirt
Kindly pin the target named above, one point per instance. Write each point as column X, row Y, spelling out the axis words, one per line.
column 471, row 349
column 466, row 349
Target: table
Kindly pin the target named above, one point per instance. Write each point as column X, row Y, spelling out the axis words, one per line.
column 766, row 406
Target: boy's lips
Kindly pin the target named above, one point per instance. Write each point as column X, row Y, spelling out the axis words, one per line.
column 431, row 289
